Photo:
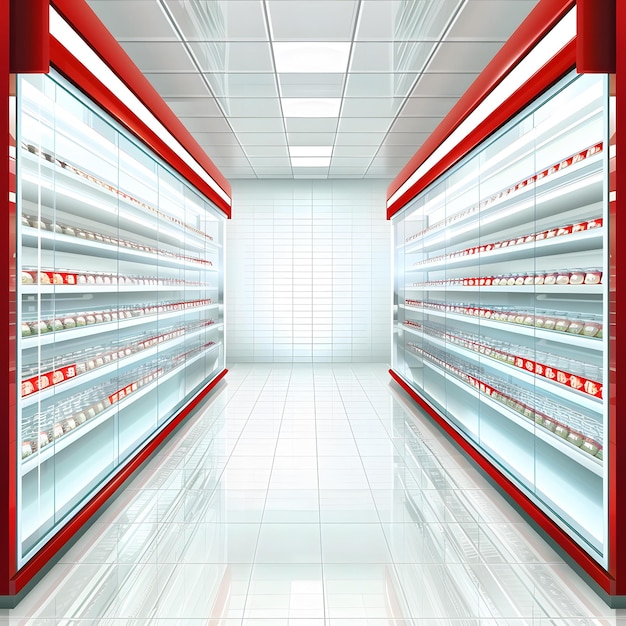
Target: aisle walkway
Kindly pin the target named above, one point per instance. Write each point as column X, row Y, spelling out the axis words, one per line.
column 310, row 496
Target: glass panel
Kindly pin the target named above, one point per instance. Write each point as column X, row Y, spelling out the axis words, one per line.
column 501, row 287
column 121, row 312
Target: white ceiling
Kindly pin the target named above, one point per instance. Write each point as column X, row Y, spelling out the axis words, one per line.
column 215, row 64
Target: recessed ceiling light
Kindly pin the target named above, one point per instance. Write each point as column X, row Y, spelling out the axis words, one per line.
column 310, row 161
column 311, row 107
column 310, row 151
column 311, row 56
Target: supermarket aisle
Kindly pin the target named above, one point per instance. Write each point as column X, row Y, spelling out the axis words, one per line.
column 310, row 496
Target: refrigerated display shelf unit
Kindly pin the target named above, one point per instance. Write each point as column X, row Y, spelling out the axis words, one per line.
column 116, row 306
column 504, row 295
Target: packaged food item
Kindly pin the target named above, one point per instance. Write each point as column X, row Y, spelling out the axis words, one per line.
column 39, row 328
column 549, row 424
column 550, row 278
column 27, row 278
column 27, row 449
column 561, row 324
column 593, row 277
column 564, row 230
column 68, row 230
column 591, row 328
column 68, row 424
column 57, row 431
column 561, row 430
column 590, row 446
column 577, row 277
column 576, row 326
column 55, row 325
column 575, row 438
column 44, row 278
column 563, row 277
column 44, row 440
column 69, row 322
column 26, row 330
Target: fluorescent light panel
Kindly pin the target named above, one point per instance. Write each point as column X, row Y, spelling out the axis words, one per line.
column 310, row 151
column 311, row 57
column 310, row 161
column 311, row 107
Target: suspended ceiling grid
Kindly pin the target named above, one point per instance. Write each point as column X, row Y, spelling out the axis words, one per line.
column 311, row 88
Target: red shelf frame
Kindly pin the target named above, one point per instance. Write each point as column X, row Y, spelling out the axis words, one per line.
column 15, row 583
column 610, row 583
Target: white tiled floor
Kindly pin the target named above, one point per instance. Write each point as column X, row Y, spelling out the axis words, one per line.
column 310, row 496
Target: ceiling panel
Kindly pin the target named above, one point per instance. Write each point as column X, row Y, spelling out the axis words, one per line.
column 355, row 151
column 214, row 63
column 206, row 124
column 266, row 151
column 367, row 107
column 399, row 20
column 405, row 139
column 457, row 56
column 360, row 139
column 194, row 107
column 451, row 85
column 311, row 124
column 243, row 85
column 261, row 139
column 415, row 124
column 427, row 106
column 228, row 152
column 383, row 85
column 364, row 124
column 253, row 124
column 233, row 56
column 143, row 20
column 311, row 139
column 178, row 85
column 303, row 20
column 207, row 20
column 504, row 17
column 389, row 57
column 208, row 139
column 251, row 107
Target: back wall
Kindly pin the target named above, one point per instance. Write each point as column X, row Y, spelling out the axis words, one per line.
column 308, row 275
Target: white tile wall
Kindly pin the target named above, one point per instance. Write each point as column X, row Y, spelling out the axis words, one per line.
column 308, row 272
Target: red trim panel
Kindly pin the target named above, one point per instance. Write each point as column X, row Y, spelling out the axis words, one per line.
column 588, row 564
column 595, row 36
column 541, row 19
column 82, row 18
column 30, row 50
column 24, row 576
column 617, row 312
column 8, row 460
